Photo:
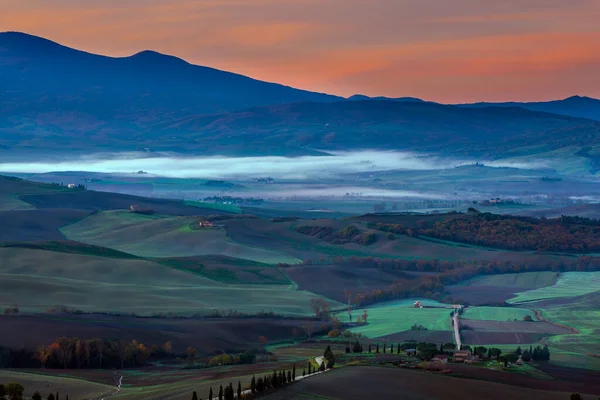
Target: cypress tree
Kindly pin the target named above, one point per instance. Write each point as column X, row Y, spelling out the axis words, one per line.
column 268, row 382
column 294, row 372
column 309, row 368
column 377, row 349
column 260, row 385
column 369, row 348
column 221, row 392
column 303, row 372
column 289, row 377
column 195, row 396
column 392, row 348
column 51, row 397
column 210, row 394
column 253, row 385
column 36, row 396
column 384, row 345
column 441, row 348
column 239, row 391
column 229, row 392
column 398, row 349
column 57, row 396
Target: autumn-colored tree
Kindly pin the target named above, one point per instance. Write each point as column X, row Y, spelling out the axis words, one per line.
column 168, row 347
column 191, row 354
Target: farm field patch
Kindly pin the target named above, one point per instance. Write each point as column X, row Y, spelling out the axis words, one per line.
column 161, row 236
column 398, row 316
column 46, row 384
column 497, row 313
column 39, row 279
column 413, row 385
column 569, row 284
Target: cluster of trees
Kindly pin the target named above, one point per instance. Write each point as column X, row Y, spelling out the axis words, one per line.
column 77, row 353
column 565, row 234
column 14, row 391
column 14, row 309
column 417, row 327
column 248, row 357
column 536, row 354
column 261, row 384
column 226, row 393
column 349, row 234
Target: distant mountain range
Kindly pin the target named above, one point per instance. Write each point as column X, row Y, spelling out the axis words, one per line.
column 59, row 100
column 575, row 106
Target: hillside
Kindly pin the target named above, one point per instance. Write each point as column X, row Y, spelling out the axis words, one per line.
column 575, row 106
column 57, row 100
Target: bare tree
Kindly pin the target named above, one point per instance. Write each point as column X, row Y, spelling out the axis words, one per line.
column 309, row 329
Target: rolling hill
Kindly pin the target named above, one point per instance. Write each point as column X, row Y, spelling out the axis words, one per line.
column 574, row 106
column 58, row 100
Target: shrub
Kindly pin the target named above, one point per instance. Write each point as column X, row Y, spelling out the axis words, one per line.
column 334, row 333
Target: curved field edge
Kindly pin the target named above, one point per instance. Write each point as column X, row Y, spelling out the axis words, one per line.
column 39, row 279
column 163, row 236
column 569, row 284
column 76, row 388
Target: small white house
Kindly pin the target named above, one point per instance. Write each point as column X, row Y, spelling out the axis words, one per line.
column 71, row 186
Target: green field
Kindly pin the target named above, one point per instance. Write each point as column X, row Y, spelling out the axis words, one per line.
column 398, row 316
column 36, row 280
column 162, row 236
column 12, row 188
column 526, row 280
column 569, row 284
column 497, row 313
column 46, row 384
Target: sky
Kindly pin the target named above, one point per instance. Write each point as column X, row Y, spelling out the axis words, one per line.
column 449, row 51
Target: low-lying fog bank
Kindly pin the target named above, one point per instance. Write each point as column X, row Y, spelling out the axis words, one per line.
column 299, row 168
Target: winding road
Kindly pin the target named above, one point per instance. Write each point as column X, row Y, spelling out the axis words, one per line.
column 456, row 319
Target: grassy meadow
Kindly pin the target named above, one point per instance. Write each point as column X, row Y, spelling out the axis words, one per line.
column 397, row 316
column 163, row 236
column 497, row 313
column 39, row 279
column 76, row 388
column 569, row 284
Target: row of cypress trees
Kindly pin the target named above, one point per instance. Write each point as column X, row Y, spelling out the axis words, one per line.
column 274, row 380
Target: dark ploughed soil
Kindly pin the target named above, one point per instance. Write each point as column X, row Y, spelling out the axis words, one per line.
column 207, row 336
column 37, row 225
column 482, row 295
column 514, row 326
column 565, row 379
column 483, row 338
column 92, row 200
column 420, row 336
column 332, row 280
column 360, row 383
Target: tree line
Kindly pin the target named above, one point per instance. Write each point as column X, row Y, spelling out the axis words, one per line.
column 564, row 234
column 81, row 354
column 268, row 382
column 447, row 273
column 14, row 391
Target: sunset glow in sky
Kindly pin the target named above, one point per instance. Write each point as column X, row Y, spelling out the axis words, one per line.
column 441, row 50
